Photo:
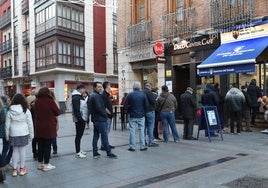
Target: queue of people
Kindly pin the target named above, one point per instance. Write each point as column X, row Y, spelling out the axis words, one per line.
column 23, row 119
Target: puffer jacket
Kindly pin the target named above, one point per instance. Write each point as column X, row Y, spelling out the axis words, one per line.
column 19, row 123
column 235, row 100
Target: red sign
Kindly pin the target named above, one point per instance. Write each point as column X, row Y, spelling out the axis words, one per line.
column 159, row 48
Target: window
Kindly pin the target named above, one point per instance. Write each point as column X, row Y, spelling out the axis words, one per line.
column 140, row 10
column 64, row 52
column 70, row 18
column 46, row 54
column 179, row 9
column 78, row 55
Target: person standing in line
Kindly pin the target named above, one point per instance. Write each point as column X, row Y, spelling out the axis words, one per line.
column 166, row 105
column 246, row 109
column 46, row 111
column 108, row 108
column 19, row 129
column 80, row 117
column 235, row 101
column 86, row 97
column 99, row 119
column 188, row 107
column 150, row 114
column 54, row 140
column 135, row 105
column 156, row 123
column 255, row 95
column 7, row 149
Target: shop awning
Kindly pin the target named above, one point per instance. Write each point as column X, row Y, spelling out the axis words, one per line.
column 235, row 57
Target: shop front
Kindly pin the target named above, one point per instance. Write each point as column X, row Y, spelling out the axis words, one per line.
column 242, row 56
column 187, row 54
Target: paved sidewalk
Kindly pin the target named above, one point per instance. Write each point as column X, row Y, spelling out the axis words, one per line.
column 187, row 164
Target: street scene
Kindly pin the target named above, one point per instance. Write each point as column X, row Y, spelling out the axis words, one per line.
column 134, row 93
column 196, row 164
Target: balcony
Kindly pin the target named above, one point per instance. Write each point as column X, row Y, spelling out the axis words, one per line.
column 5, row 20
column 6, row 72
column 179, row 23
column 26, row 68
column 229, row 15
column 139, row 33
column 25, row 7
column 5, row 47
column 25, row 37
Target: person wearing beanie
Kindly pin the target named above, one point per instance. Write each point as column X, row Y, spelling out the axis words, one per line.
column 188, row 107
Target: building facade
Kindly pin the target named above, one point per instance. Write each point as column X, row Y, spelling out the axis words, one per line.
column 190, row 31
column 57, row 44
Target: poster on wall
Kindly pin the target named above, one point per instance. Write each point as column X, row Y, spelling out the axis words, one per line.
column 169, row 85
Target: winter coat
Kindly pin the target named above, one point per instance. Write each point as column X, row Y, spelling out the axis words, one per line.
column 80, row 107
column 46, row 112
column 2, row 123
column 151, row 100
column 107, row 103
column 254, row 92
column 98, row 112
column 188, row 105
column 19, row 123
column 136, row 104
column 235, row 100
column 246, row 106
column 170, row 104
column 210, row 97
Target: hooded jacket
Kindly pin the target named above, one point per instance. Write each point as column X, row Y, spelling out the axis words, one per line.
column 80, row 107
column 210, row 97
column 18, row 123
column 235, row 100
column 254, row 92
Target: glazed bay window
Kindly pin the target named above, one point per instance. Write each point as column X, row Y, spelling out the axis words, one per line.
column 46, row 54
column 64, row 53
column 70, row 18
column 79, row 55
column 45, row 19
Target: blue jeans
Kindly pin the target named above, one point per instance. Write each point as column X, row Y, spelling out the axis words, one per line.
column 169, row 118
column 133, row 122
column 149, row 122
column 100, row 128
column 109, row 123
column 6, row 152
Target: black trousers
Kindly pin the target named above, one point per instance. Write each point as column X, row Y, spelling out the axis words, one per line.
column 44, row 149
column 80, row 128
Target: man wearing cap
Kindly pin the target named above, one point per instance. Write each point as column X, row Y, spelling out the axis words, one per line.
column 188, row 107
column 80, row 115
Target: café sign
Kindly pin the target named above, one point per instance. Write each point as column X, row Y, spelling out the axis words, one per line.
column 193, row 44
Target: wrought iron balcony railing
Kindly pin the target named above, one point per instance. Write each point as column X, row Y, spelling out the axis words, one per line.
column 139, row 33
column 179, row 23
column 25, row 7
column 26, row 68
column 5, row 47
column 25, row 37
column 5, row 20
column 226, row 15
column 6, row 72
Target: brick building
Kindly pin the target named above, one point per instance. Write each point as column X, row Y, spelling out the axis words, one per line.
column 191, row 31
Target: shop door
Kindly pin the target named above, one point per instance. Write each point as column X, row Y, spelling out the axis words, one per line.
column 182, row 81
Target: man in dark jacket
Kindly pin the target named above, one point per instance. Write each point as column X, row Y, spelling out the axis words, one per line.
column 108, row 107
column 188, row 107
column 255, row 93
column 235, row 101
column 79, row 103
column 150, row 114
column 136, row 104
column 246, row 109
column 99, row 119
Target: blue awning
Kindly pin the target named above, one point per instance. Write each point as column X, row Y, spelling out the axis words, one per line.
column 235, row 57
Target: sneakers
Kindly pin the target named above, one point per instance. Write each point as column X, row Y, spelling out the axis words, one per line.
column 15, row 172
column 81, row 155
column 143, row 149
column 40, row 166
column 23, row 171
column 96, row 156
column 48, row 167
column 153, row 145
column 83, row 152
column 131, row 149
column 112, row 156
